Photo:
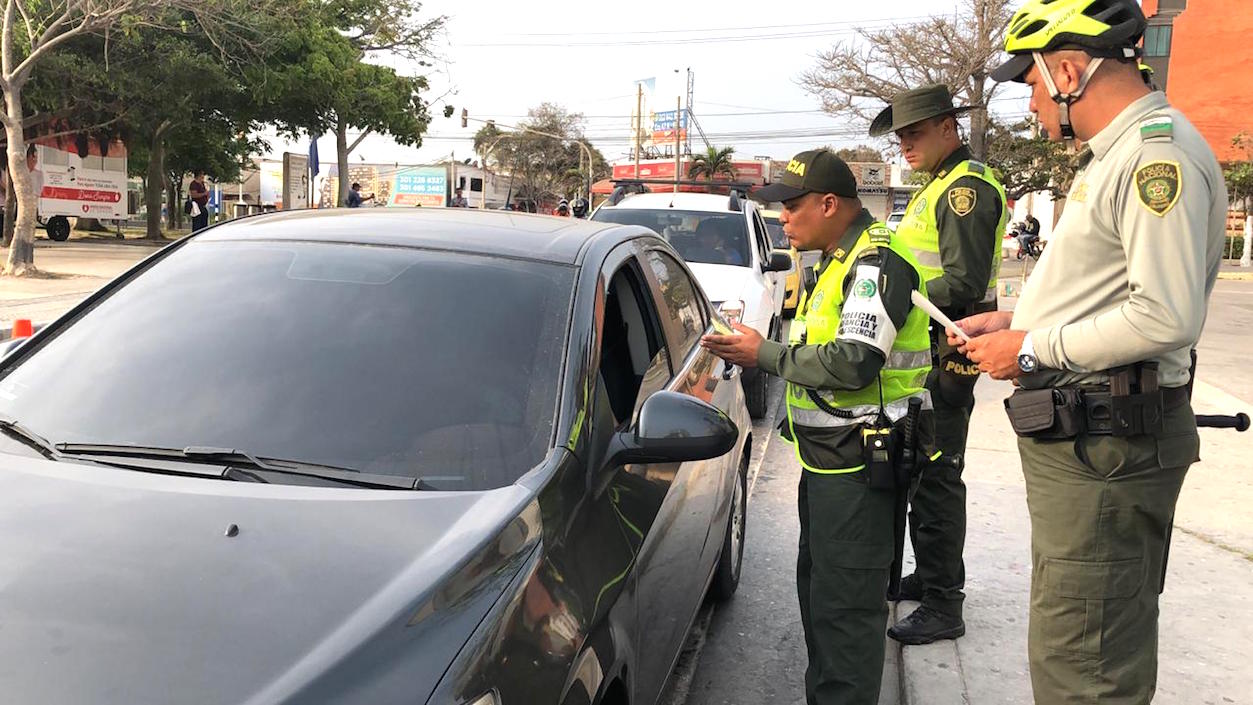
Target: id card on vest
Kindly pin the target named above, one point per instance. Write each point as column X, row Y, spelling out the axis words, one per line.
column 864, row 318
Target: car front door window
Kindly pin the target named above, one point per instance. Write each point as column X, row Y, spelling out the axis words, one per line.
column 682, row 311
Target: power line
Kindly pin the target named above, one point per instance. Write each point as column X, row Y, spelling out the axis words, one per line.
column 685, row 40
column 716, row 29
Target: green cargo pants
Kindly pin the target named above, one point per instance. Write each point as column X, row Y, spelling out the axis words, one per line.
column 841, row 578
column 1101, row 509
column 937, row 512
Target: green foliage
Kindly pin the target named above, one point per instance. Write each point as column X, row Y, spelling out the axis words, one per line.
column 1234, row 247
column 1026, row 163
column 544, row 155
column 713, row 163
column 860, row 153
column 1239, row 174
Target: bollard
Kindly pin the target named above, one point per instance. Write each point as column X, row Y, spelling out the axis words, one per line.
column 1248, row 240
column 22, row 328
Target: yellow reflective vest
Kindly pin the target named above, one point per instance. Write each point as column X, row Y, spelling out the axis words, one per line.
column 919, row 231
column 831, row 443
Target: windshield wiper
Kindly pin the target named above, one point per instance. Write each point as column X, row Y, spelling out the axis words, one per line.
column 15, row 429
column 233, row 458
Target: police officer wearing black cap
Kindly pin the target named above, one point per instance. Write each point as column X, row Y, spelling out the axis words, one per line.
column 859, row 353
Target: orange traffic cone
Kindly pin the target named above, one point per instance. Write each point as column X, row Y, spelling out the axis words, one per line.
column 22, row 328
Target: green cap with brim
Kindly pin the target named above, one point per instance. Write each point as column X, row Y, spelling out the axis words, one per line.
column 913, row 107
column 814, row 171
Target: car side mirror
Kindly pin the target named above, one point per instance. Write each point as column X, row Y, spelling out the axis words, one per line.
column 673, row 428
column 780, row 261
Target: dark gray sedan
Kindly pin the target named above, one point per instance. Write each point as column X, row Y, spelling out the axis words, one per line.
column 377, row 456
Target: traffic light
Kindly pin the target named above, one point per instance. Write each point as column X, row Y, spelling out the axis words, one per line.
column 465, row 118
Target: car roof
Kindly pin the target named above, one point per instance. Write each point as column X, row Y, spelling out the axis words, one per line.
column 711, row 202
column 506, row 233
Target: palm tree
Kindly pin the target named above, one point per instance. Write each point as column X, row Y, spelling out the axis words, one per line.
column 713, row 163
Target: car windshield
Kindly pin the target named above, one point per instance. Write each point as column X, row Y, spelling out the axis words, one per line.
column 379, row 359
column 706, row 238
column 775, row 231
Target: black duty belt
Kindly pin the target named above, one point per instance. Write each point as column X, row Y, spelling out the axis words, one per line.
column 1067, row 412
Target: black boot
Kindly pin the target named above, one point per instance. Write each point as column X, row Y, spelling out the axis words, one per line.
column 911, row 589
column 925, row 625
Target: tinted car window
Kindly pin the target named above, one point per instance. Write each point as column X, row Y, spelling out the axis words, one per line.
column 385, row 360
column 680, row 304
column 707, row 238
column 775, row 231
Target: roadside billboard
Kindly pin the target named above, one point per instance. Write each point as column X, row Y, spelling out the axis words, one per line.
column 80, row 177
column 420, row 186
column 400, row 187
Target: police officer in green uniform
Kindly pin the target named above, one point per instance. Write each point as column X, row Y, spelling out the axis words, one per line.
column 953, row 226
column 859, row 352
column 1100, row 346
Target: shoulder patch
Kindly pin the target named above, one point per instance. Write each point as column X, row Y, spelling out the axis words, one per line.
column 1160, row 127
column 879, row 234
column 977, row 167
column 962, row 200
column 1158, row 185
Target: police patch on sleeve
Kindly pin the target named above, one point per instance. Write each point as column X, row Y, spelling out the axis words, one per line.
column 863, row 317
column 1158, row 185
column 962, row 200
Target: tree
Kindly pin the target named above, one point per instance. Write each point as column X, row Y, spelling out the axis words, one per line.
column 33, row 32
column 1026, row 161
column 713, row 163
column 860, row 153
column 856, row 79
column 544, row 155
column 373, row 98
column 1239, row 174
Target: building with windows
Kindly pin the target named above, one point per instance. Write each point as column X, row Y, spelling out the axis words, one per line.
column 1201, row 56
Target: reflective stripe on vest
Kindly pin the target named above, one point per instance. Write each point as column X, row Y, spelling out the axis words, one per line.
column 903, row 375
column 919, row 231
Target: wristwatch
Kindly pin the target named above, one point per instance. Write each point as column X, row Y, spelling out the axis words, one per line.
column 1027, row 361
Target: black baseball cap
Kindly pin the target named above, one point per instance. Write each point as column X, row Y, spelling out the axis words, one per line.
column 815, row 171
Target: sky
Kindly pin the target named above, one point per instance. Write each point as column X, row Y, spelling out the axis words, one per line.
column 498, row 59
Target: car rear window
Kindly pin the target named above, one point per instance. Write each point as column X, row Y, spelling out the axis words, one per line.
column 385, row 360
column 706, row 238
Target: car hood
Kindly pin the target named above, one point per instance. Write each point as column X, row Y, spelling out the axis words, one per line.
column 721, row 281
column 118, row 586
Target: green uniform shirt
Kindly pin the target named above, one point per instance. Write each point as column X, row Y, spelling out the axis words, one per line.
column 968, row 241
column 838, row 364
column 1131, row 264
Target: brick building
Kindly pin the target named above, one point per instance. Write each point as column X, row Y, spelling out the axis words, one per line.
column 1202, row 56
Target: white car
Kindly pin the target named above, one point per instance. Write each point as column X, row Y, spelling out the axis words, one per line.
column 894, row 219
column 724, row 241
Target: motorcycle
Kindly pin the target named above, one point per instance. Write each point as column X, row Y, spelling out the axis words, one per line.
column 1029, row 245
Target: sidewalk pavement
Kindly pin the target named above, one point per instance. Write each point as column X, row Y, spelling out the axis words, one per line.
column 1205, row 652
column 69, row 271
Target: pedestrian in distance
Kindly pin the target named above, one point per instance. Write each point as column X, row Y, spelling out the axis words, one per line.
column 459, row 200
column 855, row 369
column 1100, row 346
column 36, row 175
column 953, row 225
column 198, row 195
column 355, row 199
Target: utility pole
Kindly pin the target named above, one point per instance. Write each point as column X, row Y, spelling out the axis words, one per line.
column 678, row 157
column 639, row 121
